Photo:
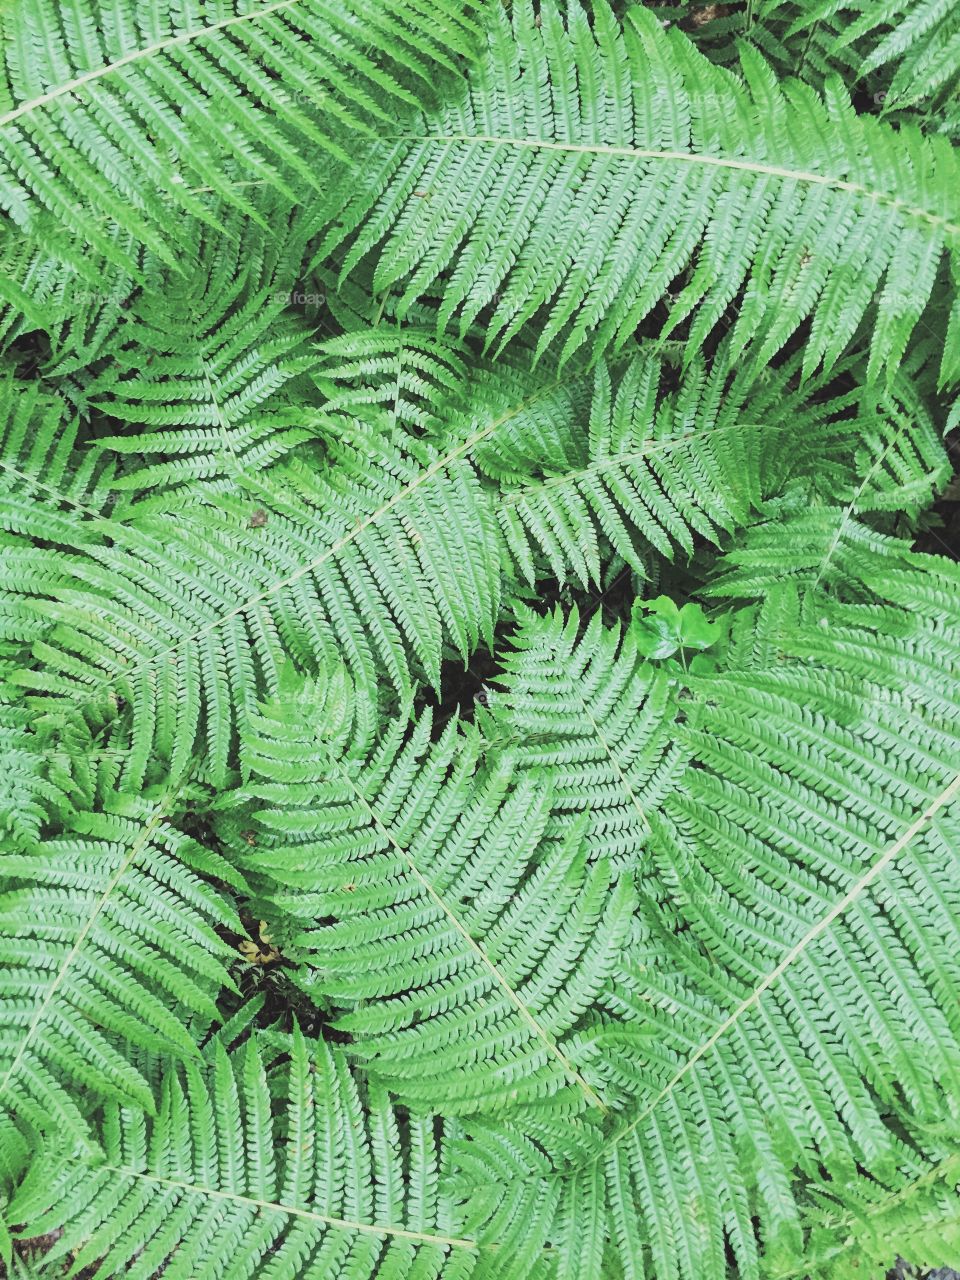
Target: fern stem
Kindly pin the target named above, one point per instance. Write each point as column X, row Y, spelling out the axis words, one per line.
column 345, row 1224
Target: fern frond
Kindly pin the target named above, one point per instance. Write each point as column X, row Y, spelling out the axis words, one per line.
column 145, row 110
column 183, row 615
column 919, row 1210
column 586, row 715
column 888, row 457
column 787, row 1004
column 904, row 56
column 915, row 45
column 43, row 484
column 198, row 374
column 109, row 937
column 589, row 166
column 461, row 953
column 395, row 376
column 653, row 470
column 45, row 773
column 251, row 1167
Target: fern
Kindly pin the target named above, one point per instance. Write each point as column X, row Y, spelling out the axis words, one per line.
column 89, row 922
column 797, row 971
column 149, row 107
column 215, row 1175
column 479, row 614
column 787, row 237
column 437, row 944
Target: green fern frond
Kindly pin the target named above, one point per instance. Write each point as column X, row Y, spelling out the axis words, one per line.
column 652, row 470
column 575, row 181
column 148, row 110
column 44, row 485
column 904, row 55
column 109, row 937
column 199, row 376
column 887, row 457
column 368, row 555
column 45, row 773
column 585, row 714
column 461, row 953
column 915, row 45
column 791, row 985
column 251, row 1166
column 397, row 376
column 919, row 1209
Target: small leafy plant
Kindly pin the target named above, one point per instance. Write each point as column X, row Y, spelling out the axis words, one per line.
column 479, row 727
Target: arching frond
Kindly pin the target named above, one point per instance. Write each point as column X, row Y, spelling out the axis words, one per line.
column 460, row 952
column 788, row 1004
column 198, row 376
column 589, row 167
column 108, row 936
column 148, row 109
column 224, row 1180
column 584, row 713
column 183, row 615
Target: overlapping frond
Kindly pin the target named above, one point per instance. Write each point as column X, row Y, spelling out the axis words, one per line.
column 195, row 380
column 583, row 711
column 833, row 529
column 919, row 1209
column 109, row 937
column 44, row 484
column 915, row 46
column 479, row 766
column 146, row 110
column 647, row 470
column 794, row 983
column 459, row 952
column 49, row 769
column 252, row 1166
column 589, row 169
column 901, row 55
column 183, row 615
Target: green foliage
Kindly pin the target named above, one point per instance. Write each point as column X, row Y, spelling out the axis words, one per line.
column 588, row 199
column 479, row 765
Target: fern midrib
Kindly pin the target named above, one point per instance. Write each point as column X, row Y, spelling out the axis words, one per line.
column 813, row 933
column 759, row 167
column 615, row 765
column 135, row 55
column 541, row 1033
column 34, row 483
column 142, row 840
column 345, row 1224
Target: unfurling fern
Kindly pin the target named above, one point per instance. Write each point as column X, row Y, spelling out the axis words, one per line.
column 479, row 640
